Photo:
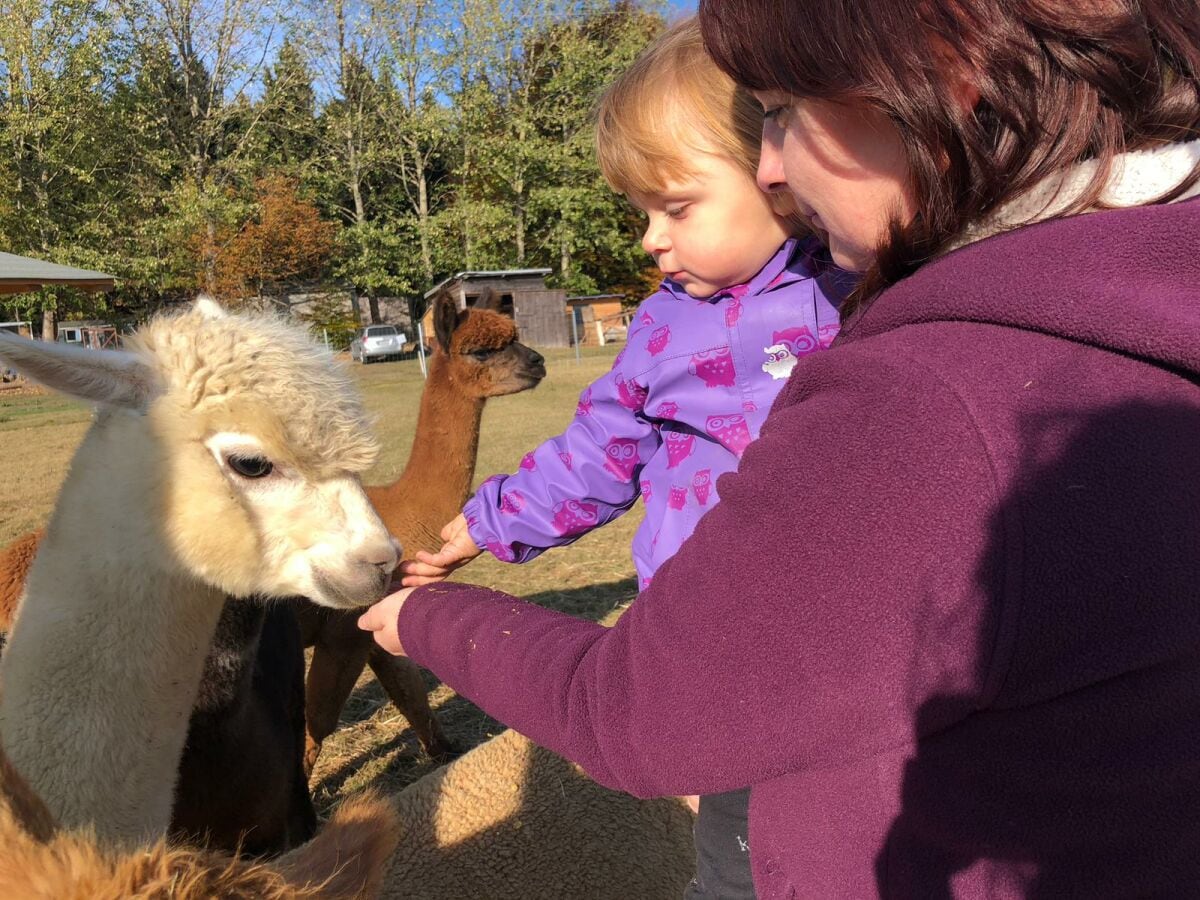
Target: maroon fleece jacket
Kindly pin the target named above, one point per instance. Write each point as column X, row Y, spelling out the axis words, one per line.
column 945, row 621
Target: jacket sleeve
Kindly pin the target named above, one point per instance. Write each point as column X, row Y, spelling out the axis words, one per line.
column 574, row 482
column 835, row 589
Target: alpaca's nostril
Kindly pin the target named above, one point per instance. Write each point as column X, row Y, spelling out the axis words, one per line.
column 384, row 556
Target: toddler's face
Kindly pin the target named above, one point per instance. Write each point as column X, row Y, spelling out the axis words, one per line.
column 712, row 230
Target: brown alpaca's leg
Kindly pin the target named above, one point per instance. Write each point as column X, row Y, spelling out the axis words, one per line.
column 336, row 665
column 401, row 679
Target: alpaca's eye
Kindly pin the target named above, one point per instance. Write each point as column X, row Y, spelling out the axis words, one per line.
column 250, row 466
column 483, row 353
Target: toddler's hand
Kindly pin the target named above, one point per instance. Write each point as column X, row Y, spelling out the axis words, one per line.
column 458, row 550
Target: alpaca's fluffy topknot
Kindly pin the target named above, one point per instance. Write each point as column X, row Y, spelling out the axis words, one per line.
column 260, row 357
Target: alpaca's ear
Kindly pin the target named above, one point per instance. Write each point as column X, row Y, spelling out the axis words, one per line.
column 208, row 307
column 108, row 377
column 445, row 320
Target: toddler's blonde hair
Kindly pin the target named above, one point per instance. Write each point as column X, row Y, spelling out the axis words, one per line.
column 670, row 104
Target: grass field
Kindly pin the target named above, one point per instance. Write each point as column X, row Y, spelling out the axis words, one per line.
column 374, row 746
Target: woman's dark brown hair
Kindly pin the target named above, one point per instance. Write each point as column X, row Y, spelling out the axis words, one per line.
column 1059, row 81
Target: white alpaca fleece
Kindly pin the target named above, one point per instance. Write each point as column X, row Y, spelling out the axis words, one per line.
column 153, row 531
column 207, row 361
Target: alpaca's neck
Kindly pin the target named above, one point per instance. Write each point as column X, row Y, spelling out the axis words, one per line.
column 102, row 667
column 437, row 478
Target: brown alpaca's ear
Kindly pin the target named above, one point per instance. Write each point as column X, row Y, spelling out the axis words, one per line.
column 445, row 320
column 349, row 855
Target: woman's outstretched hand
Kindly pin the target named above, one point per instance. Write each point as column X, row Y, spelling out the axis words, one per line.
column 382, row 619
column 458, row 550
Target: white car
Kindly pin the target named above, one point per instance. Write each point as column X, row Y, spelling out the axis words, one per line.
column 377, row 342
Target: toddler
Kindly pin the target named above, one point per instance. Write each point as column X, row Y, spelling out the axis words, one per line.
column 743, row 297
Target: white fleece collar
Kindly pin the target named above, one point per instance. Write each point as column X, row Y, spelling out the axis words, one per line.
column 1136, row 179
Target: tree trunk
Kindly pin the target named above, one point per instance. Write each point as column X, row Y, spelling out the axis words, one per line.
column 49, row 323
column 520, row 223
column 209, row 262
column 423, row 227
column 465, row 200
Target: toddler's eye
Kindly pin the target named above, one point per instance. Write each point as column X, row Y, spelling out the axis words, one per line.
column 676, row 212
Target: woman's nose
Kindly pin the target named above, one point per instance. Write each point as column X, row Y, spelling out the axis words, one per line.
column 770, row 175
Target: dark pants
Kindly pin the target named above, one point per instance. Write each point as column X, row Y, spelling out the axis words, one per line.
column 722, row 849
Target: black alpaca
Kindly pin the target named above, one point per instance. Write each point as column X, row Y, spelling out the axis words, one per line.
column 241, row 777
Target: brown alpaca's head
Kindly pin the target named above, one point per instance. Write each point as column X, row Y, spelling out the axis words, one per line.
column 485, row 357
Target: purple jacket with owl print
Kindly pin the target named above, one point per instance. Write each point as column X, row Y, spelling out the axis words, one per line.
column 684, row 397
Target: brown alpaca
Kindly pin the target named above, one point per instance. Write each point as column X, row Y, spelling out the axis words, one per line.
column 346, row 859
column 477, row 357
column 15, row 560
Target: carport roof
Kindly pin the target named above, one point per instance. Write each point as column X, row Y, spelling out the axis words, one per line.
column 23, row 273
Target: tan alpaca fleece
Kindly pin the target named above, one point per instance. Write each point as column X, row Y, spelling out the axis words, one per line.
column 512, row 821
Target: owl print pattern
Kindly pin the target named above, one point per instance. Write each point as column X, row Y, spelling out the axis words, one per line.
column 713, row 367
column 731, row 430
column 574, row 516
column 621, row 457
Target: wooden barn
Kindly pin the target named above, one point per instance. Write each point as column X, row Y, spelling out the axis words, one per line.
column 541, row 314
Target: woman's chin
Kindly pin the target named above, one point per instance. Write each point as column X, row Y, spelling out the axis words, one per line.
column 851, row 259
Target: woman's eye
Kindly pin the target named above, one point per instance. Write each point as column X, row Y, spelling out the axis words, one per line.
column 251, row 466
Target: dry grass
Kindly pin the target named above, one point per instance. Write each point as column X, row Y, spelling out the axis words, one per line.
column 375, row 746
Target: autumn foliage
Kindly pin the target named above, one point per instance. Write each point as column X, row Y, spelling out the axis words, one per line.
column 284, row 241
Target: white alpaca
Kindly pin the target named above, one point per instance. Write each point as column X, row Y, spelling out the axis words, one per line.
column 224, row 459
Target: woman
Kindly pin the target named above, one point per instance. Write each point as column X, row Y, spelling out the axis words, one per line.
column 984, row 679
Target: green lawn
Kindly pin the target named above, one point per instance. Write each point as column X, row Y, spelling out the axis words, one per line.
column 591, row 578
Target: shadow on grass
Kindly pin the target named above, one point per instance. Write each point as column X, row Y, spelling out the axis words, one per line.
column 464, row 723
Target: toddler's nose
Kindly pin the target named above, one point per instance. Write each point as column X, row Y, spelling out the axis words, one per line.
column 654, row 241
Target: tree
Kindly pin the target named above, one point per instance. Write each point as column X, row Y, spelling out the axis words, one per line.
column 288, row 139
column 286, row 240
column 585, row 228
column 57, row 75
column 215, row 53
column 419, row 124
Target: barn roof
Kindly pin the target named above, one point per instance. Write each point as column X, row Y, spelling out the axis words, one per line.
column 596, row 297
column 499, row 273
column 23, row 273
